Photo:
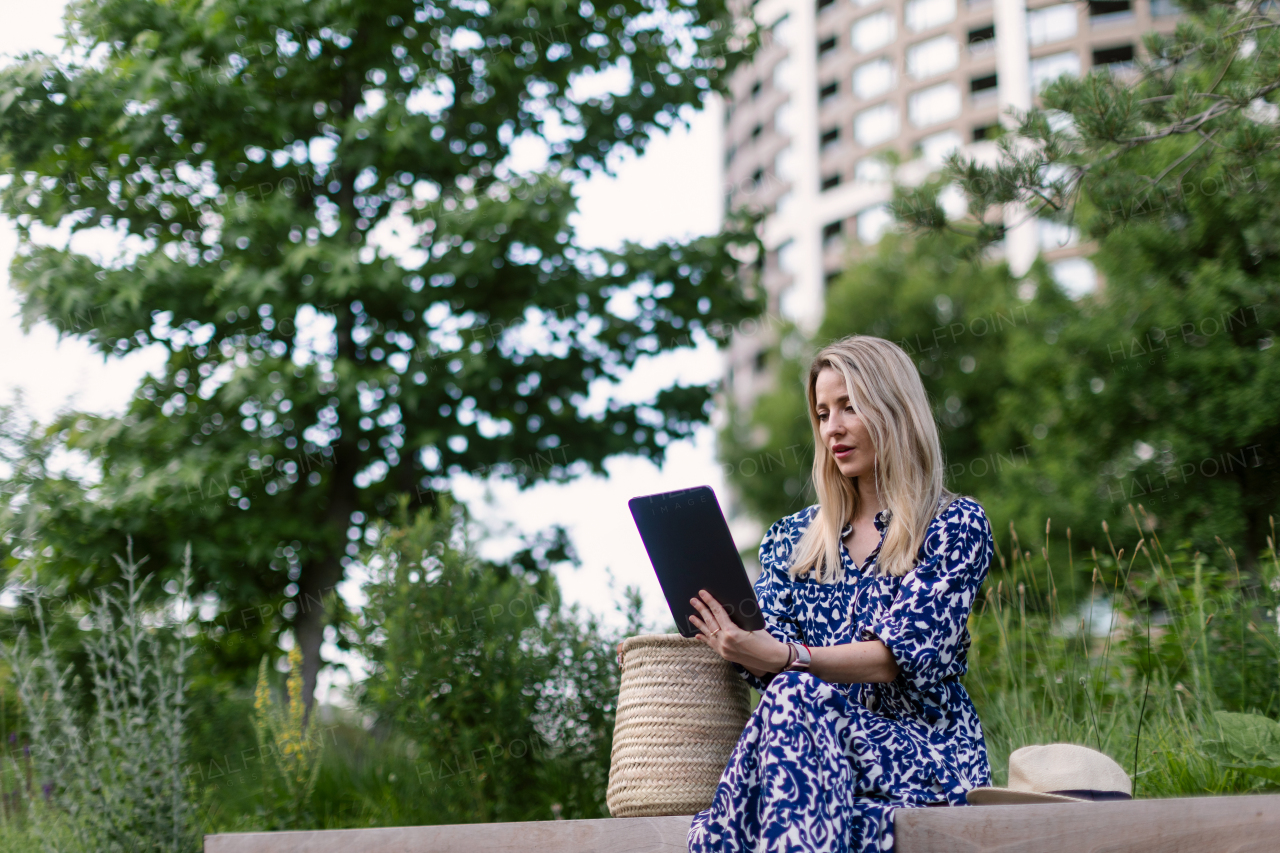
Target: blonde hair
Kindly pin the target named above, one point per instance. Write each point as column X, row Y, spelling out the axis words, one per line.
column 887, row 394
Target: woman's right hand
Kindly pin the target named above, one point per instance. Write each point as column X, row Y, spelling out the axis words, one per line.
column 758, row 651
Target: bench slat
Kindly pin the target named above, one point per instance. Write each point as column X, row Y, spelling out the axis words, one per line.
column 1248, row 824
column 1194, row 825
column 617, row 835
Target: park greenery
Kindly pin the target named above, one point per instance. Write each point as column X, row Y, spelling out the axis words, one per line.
column 312, row 206
column 1146, row 406
column 1155, row 389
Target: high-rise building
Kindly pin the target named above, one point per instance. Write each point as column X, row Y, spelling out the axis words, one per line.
column 838, row 84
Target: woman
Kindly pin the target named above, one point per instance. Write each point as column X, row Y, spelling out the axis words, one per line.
column 866, row 598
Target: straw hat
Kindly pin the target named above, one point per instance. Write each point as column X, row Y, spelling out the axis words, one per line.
column 1057, row 773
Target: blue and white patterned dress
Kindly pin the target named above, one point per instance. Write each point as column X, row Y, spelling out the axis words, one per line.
column 822, row 766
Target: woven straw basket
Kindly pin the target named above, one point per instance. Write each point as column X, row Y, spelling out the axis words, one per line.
column 681, row 709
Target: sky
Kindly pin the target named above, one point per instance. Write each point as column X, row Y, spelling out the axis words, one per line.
column 671, row 192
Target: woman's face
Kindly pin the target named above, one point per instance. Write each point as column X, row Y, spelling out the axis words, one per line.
column 843, row 433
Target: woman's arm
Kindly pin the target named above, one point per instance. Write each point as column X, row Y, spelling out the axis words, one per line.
column 760, row 653
column 925, row 626
column 868, row 662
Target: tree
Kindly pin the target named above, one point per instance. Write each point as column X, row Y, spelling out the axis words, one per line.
column 1162, row 383
column 958, row 320
column 312, row 205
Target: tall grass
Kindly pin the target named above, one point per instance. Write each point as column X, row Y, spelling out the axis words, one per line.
column 1137, row 661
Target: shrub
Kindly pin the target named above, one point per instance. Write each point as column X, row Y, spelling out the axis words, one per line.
column 111, row 780
column 502, row 698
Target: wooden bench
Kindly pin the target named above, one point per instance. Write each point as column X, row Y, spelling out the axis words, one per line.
column 1195, row 825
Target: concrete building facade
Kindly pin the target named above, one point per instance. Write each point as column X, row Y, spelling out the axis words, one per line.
column 838, row 84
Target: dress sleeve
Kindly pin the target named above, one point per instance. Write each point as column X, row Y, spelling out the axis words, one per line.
column 926, row 625
column 770, row 587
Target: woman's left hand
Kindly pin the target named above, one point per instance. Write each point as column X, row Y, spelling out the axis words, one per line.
column 758, row 651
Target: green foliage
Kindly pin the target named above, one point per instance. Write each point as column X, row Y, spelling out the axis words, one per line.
column 959, row 322
column 767, row 450
column 113, row 780
column 290, row 750
column 504, row 698
column 1156, row 390
column 1248, row 742
column 1124, row 146
column 244, row 155
column 1138, row 671
column 1158, row 387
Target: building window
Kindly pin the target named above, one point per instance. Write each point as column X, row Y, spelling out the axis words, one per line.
column 924, row 14
column 780, row 32
column 935, row 149
column 728, row 155
column 872, row 223
column 825, row 4
column 781, row 72
column 872, row 170
column 831, row 233
column 876, row 124
column 829, row 138
column 830, row 181
column 787, row 257
column 757, row 178
column 933, row 105
column 873, row 78
column 1121, row 55
column 985, row 131
column 755, row 90
column 761, row 361
column 783, row 119
column 982, row 40
column 785, row 164
column 932, row 57
column 756, row 131
column 1105, row 12
column 1075, row 276
column 828, row 92
column 1050, row 24
column 1165, row 8
column 873, row 32
column 1048, row 68
column 1056, row 235
column 826, row 46
column 983, row 90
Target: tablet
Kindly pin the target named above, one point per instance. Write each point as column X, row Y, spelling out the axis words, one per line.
column 689, row 545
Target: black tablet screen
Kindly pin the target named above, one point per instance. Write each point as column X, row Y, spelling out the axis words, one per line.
column 691, row 549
